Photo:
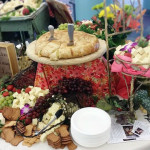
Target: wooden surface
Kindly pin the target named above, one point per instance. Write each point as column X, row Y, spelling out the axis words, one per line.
column 8, row 59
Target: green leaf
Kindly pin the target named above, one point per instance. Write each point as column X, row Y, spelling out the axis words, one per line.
column 98, row 6
column 86, row 29
column 102, row 104
column 42, row 32
column 31, row 9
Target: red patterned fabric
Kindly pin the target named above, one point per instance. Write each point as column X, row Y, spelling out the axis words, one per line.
column 48, row 76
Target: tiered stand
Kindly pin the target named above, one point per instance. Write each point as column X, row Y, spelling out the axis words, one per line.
column 117, row 33
column 133, row 77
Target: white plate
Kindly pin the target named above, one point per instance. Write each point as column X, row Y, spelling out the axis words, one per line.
column 91, row 121
column 90, row 127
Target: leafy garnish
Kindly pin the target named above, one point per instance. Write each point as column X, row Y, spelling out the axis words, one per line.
column 42, row 32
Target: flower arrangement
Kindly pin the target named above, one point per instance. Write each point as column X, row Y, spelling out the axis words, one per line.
column 115, row 22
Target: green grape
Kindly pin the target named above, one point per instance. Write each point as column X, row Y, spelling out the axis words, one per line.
column 2, row 99
column 10, row 105
column 3, row 105
column 1, row 102
column 7, row 98
column 10, row 93
column 5, row 102
column 11, row 97
column 63, row 26
column 10, row 101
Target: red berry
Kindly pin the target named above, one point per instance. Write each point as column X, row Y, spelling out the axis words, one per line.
column 6, row 94
column 22, row 117
column 28, row 121
column 33, row 116
column 128, row 54
column 25, row 11
column 18, row 91
column 119, row 109
column 10, row 87
column 29, row 115
column 2, row 89
column 14, row 90
column 27, row 90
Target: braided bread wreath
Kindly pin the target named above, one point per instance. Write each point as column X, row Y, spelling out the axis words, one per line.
column 84, row 44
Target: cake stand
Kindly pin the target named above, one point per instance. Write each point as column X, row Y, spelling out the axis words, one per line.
column 91, row 67
column 141, row 73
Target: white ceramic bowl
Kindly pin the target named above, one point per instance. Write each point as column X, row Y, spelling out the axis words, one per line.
column 90, row 127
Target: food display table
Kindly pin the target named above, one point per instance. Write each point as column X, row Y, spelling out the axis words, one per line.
column 37, row 21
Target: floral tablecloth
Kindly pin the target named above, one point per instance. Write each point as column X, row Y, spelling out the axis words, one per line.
column 47, row 76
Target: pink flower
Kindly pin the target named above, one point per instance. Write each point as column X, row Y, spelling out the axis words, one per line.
column 25, row 109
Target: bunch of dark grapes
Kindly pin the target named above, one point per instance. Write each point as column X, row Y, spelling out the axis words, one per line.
column 25, row 78
column 73, row 85
column 41, row 106
column 85, row 100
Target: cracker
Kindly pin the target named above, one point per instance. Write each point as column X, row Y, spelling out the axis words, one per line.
column 8, row 134
column 26, row 144
column 30, row 141
column 29, row 129
column 66, row 142
column 16, row 114
column 65, row 127
column 57, row 131
column 72, row 146
column 2, row 136
column 16, row 140
column 63, row 131
column 52, row 137
column 57, row 143
column 10, row 124
column 7, row 112
column 66, row 138
column 11, row 114
column 62, row 146
column 35, row 128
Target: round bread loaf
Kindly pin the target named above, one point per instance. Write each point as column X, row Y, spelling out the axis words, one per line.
column 84, row 44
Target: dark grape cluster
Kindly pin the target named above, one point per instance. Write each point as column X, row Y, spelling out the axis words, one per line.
column 25, row 78
column 73, row 85
column 85, row 100
column 41, row 106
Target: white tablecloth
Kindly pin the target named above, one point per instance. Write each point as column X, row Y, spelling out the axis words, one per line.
column 138, row 145
column 134, row 145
